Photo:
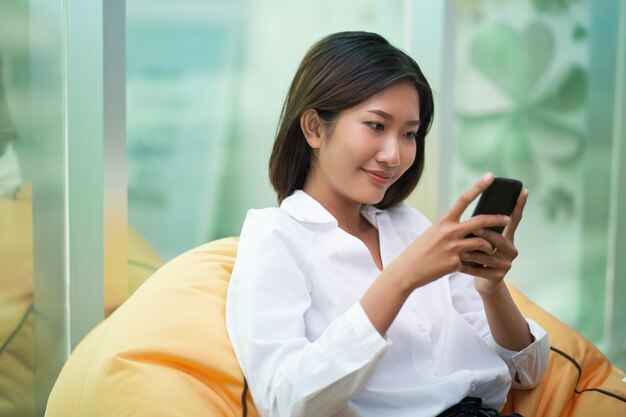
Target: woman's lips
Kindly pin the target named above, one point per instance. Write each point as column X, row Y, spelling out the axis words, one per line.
column 379, row 177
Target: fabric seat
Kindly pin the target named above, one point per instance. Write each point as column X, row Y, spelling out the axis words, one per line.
column 579, row 382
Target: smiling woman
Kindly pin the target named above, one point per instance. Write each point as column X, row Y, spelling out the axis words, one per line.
column 345, row 301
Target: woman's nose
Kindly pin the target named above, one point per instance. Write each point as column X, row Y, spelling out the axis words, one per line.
column 390, row 152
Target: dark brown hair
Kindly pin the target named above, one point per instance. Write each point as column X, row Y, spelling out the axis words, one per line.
column 338, row 72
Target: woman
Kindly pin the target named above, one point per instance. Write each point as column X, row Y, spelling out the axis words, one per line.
column 347, row 302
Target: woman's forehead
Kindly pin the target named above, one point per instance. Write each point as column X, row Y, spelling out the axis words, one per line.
column 398, row 101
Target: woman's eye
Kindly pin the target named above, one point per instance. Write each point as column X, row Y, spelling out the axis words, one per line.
column 376, row 126
column 411, row 135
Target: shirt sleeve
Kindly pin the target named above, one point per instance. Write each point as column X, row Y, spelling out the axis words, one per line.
column 527, row 366
column 268, row 298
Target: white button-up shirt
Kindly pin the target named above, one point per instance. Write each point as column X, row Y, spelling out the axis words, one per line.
column 307, row 348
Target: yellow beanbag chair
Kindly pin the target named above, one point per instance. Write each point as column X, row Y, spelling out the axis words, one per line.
column 579, row 381
column 165, row 352
column 17, row 362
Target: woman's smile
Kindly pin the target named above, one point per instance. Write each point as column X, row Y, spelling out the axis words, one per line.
column 377, row 176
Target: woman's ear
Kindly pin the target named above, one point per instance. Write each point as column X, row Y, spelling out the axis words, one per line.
column 311, row 126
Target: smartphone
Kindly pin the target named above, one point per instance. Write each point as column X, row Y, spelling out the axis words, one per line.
column 499, row 198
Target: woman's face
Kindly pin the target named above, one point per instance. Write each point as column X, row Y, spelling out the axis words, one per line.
column 370, row 146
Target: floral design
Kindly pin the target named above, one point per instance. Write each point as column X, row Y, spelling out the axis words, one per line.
column 539, row 124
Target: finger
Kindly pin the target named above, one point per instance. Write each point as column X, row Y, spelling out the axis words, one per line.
column 475, row 244
column 472, row 269
column 468, row 196
column 483, row 221
column 498, row 241
column 489, row 261
column 516, row 216
column 482, row 271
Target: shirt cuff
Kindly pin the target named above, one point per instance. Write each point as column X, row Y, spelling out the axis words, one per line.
column 528, row 365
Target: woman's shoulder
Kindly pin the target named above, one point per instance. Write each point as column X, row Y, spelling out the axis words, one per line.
column 266, row 220
column 272, row 214
column 270, row 238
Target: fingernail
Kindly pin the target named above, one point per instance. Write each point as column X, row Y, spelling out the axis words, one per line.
column 507, row 219
column 487, row 177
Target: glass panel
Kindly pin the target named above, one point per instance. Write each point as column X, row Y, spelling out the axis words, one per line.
column 616, row 282
column 532, row 84
column 51, row 137
column 424, row 28
column 32, row 194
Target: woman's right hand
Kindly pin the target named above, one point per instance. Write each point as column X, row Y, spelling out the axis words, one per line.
column 437, row 251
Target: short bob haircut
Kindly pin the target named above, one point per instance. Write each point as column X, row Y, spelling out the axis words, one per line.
column 338, row 72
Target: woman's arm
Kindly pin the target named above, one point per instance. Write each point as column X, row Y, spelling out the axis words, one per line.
column 508, row 327
column 524, row 349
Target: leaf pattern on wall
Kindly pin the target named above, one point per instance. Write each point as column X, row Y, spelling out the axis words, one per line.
column 535, row 126
column 513, row 61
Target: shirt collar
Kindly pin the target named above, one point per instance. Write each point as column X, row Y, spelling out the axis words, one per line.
column 305, row 208
column 370, row 212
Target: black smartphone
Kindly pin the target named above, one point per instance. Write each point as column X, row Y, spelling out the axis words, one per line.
column 499, row 198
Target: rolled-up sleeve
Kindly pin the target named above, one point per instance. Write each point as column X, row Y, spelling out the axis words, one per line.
column 268, row 297
column 528, row 365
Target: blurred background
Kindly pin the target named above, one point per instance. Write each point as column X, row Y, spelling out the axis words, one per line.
column 133, row 131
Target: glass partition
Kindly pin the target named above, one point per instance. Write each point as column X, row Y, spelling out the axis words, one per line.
column 32, row 195
column 51, row 190
column 615, row 311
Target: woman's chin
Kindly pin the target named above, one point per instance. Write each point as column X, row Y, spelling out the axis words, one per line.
column 371, row 198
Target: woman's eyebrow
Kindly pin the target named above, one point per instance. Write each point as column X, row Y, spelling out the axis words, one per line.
column 387, row 116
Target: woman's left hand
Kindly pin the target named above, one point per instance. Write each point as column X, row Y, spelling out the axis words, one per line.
column 489, row 277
